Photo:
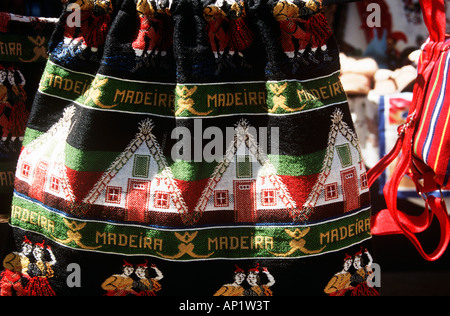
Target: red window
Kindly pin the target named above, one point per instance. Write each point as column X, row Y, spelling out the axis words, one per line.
column 55, row 184
column 113, row 195
column 221, row 198
column 331, row 191
column 26, row 168
column 269, row 197
column 162, row 199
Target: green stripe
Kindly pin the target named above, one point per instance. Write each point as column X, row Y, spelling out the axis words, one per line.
column 300, row 165
column 191, row 171
column 64, row 83
column 100, row 161
column 295, row 96
column 193, row 100
column 91, row 161
column 244, row 242
column 30, row 136
column 19, row 48
column 96, row 161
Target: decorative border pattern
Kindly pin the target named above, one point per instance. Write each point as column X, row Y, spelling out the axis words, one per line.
column 218, row 242
column 193, row 100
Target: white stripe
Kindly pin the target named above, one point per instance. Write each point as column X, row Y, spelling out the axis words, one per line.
column 437, row 110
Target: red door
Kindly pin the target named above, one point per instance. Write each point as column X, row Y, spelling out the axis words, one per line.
column 350, row 189
column 137, row 202
column 39, row 180
column 245, row 201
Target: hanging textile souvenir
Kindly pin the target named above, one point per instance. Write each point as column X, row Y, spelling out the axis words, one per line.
column 23, row 54
column 421, row 151
column 194, row 147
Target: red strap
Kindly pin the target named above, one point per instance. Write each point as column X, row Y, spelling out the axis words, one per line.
column 383, row 223
column 392, row 220
column 426, row 66
column 374, row 173
column 439, row 209
column 387, row 223
column 434, row 18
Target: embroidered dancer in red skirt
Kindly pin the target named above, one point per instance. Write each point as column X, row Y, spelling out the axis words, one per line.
column 294, row 39
column 147, row 287
column 40, row 271
column 219, row 37
column 317, row 26
column 301, row 28
column 19, row 114
column 362, row 275
column 241, row 35
column 95, row 23
column 153, row 26
column 340, row 282
column 228, row 33
column 120, row 284
column 5, row 106
column 15, row 276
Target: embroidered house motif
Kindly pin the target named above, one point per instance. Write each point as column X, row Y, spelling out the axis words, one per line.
column 42, row 162
column 245, row 182
column 347, row 185
column 140, row 181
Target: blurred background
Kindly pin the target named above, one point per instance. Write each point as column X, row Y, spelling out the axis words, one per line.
column 42, row 8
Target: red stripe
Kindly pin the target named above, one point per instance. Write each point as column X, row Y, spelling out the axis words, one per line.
column 434, row 88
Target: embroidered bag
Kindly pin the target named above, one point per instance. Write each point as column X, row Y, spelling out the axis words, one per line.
column 23, row 53
column 193, row 148
column 424, row 142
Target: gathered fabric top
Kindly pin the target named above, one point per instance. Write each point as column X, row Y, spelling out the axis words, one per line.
column 194, row 41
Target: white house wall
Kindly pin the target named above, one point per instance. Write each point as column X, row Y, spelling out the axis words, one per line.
column 229, row 177
column 53, row 153
column 126, row 172
column 335, row 177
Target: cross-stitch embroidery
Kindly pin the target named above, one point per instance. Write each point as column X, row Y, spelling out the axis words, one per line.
column 253, row 287
column 354, row 278
column 134, row 281
column 170, row 137
column 27, row 273
column 228, row 33
column 304, row 30
column 84, row 42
